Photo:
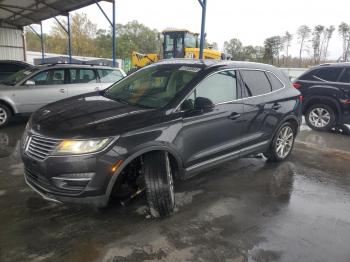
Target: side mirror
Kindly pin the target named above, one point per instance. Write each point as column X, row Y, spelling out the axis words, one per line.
column 203, row 104
column 29, row 83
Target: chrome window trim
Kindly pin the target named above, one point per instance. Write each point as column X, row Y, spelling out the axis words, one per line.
column 236, row 100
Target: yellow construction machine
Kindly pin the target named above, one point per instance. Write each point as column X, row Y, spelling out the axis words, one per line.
column 177, row 43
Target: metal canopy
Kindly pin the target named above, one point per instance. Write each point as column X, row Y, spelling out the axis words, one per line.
column 19, row 13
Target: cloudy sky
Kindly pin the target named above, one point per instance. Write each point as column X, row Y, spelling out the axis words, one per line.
column 249, row 20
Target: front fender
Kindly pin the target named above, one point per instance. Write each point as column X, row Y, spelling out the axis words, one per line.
column 140, row 150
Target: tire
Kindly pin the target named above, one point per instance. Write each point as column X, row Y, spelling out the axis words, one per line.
column 5, row 115
column 320, row 117
column 282, row 143
column 159, row 183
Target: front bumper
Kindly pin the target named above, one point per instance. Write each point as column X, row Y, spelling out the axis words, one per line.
column 97, row 201
column 59, row 178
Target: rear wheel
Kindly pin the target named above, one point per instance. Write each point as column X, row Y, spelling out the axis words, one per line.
column 159, row 183
column 5, row 115
column 282, row 144
column 320, row 117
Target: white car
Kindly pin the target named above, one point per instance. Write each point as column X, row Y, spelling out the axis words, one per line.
column 26, row 91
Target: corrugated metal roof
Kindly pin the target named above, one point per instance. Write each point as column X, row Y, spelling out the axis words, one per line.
column 20, row 13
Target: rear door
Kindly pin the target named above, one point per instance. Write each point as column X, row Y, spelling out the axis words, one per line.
column 43, row 88
column 82, row 80
column 263, row 108
column 206, row 135
column 108, row 77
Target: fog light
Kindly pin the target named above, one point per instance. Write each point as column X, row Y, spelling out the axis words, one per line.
column 74, row 181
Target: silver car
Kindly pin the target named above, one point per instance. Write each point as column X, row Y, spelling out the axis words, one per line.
column 26, row 91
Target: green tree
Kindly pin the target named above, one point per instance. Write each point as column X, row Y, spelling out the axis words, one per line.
column 234, row 47
column 317, row 42
column 329, row 34
column 303, row 33
column 272, row 47
column 287, row 39
column 344, row 32
column 135, row 36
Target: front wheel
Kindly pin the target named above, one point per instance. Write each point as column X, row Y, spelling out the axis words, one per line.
column 5, row 115
column 282, row 143
column 159, row 183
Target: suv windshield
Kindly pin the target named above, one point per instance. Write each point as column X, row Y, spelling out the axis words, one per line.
column 19, row 76
column 153, row 87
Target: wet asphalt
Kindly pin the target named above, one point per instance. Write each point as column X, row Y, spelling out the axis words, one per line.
column 245, row 210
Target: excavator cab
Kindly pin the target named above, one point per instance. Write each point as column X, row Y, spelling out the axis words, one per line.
column 176, row 41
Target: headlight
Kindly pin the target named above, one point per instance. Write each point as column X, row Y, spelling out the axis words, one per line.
column 76, row 147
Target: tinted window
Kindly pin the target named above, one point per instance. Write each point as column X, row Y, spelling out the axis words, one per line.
column 275, row 82
column 309, row 75
column 345, row 78
column 49, row 77
column 82, row 75
column 109, row 76
column 221, row 87
column 255, row 83
column 153, row 87
column 329, row 74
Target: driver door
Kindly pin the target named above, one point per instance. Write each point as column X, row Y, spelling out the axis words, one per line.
column 215, row 133
column 43, row 88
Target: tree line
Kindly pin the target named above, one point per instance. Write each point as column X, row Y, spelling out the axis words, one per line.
column 87, row 40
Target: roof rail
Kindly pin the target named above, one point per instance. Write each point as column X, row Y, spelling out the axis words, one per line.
column 62, row 63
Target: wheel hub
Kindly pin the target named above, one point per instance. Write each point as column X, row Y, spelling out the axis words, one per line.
column 3, row 116
column 284, row 142
column 319, row 117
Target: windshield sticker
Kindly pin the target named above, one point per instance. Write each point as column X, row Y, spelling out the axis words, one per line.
column 190, row 69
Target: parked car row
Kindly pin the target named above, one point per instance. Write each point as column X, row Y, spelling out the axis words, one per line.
column 167, row 121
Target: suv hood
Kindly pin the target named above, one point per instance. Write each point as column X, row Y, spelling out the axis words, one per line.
column 88, row 116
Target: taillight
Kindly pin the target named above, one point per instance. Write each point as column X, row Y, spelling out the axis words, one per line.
column 346, row 101
column 297, row 85
column 301, row 98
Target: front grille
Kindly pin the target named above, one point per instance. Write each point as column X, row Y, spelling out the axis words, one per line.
column 41, row 147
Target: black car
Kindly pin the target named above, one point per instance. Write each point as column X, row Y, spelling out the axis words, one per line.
column 326, row 95
column 172, row 119
column 9, row 67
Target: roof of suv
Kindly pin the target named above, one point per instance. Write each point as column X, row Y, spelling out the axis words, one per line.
column 341, row 64
column 207, row 63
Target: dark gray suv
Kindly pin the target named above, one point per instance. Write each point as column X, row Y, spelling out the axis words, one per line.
column 170, row 120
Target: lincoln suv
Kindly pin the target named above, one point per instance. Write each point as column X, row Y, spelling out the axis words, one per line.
column 170, row 120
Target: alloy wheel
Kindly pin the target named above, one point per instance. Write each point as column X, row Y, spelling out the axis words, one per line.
column 319, row 117
column 284, row 142
column 3, row 115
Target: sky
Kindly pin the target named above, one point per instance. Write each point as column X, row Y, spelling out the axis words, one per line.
column 251, row 21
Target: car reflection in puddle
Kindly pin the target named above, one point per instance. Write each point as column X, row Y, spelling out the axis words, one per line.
column 10, row 137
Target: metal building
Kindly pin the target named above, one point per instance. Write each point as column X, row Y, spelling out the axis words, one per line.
column 12, row 46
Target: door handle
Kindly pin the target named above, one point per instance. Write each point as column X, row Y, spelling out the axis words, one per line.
column 97, row 88
column 276, row 106
column 62, row 90
column 234, row 116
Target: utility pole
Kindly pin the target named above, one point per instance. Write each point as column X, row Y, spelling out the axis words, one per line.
column 203, row 4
